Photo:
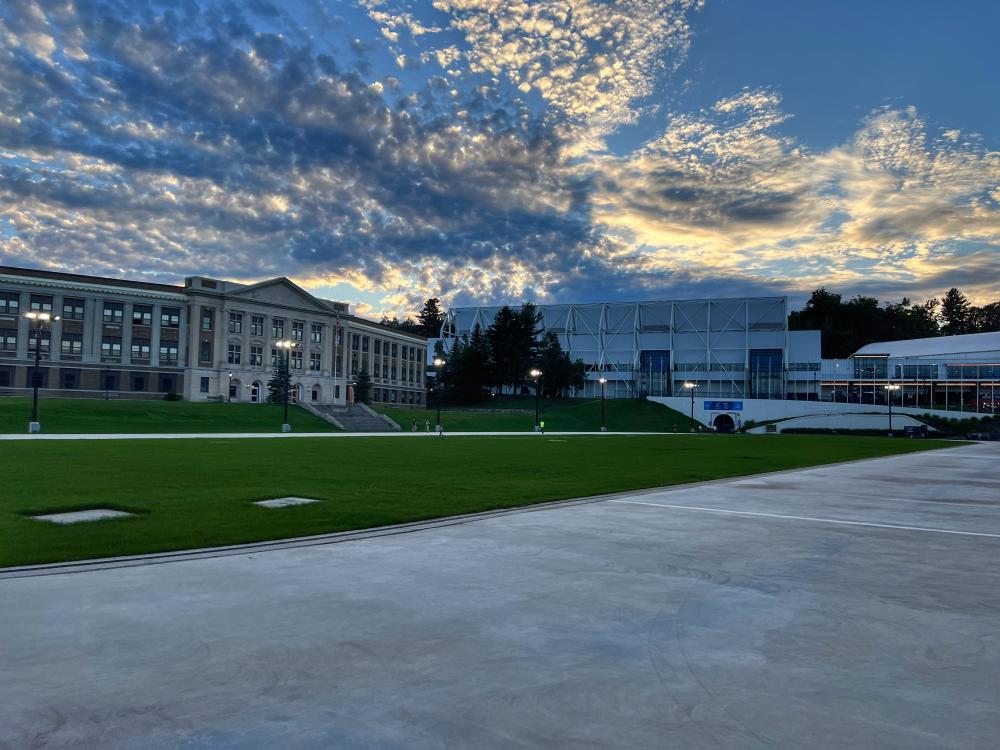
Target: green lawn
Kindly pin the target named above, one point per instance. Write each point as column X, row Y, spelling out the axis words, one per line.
column 66, row 415
column 565, row 415
column 198, row 493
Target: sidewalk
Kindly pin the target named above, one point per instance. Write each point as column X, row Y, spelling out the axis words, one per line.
column 292, row 435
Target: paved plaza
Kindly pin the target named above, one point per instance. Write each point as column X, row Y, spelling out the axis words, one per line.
column 850, row 606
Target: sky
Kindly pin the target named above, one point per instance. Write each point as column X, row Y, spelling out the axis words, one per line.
column 489, row 151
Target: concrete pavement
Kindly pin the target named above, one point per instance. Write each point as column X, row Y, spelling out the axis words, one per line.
column 842, row 606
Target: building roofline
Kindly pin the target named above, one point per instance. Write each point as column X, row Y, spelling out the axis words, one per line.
column 37, row 273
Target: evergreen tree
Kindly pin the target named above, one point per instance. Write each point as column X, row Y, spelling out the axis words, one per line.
column 431, row 318
column 955, row 314
column 560, row 375
column 280, row 385
column 986, row 318
column 362, row 388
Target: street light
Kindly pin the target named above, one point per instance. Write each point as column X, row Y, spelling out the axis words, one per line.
column 229, row 397
column 36, row 376
column 889, row 388
column 602, row 381
column 438, row 363
column 690, row 387
column 535, row 375
column 287, row 347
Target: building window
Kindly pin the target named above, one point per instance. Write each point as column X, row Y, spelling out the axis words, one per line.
column 205, row 351
column 336, row 391
column 298, row 327
column 354, row 364
column 140, row 349
column 168, row 354
column 393, row 375
column 34, row 339
column 296, row 360
column 274, row 358
column 204, row 385
column 207, row 318
column 234, row 354
column 395, row 349
column 170, row 317
column 142, row 315
column 378, row 346
column 355, row 342
column 376, row 395
column 111, row 349
column 140, row 381
column 364, row 343
column 277, row 328
column 168, row 383
column 41, row 303
column 314, row 362
column 378, row 370
column 9, row 303
column 69, row 379
column 8, row 340
column 72, row 308
column 235, row 322
column 114, row 313
column 256, row 356
column 316, row 333
column 256, row 325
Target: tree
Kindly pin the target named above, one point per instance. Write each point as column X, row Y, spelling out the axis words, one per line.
column 514, row 343
column 559, row 374
column 955, row 314
column 280, row 385
column 467, row 371
column 986, row 318
column 408, row 325
column 362, row 388
column 431, row 318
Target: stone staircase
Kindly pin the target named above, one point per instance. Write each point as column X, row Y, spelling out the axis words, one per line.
column 356, row 418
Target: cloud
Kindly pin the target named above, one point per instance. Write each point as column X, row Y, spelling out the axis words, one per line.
column 198, row 138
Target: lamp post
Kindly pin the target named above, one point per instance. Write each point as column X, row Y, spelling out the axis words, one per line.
column 535, row 375
column 229, row 396
column 286, row 346
column 690, row 387
column 438, row 364
column 602, row 381
column 36, row 375
column 889, row 388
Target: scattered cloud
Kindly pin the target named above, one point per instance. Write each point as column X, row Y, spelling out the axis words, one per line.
column 459, row 151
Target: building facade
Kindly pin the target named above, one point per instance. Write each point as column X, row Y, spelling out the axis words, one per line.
column 729, row 348
column 207, row 340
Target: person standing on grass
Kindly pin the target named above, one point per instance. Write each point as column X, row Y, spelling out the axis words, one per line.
column 541, row 426
column 413, row 426
column 427, row 425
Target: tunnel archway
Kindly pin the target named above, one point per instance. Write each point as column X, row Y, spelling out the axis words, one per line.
column 724, row 423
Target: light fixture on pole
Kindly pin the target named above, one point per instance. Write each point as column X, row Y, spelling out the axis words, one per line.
column 889, row 388
column 535, row 375
column 36, row 376
column 286, row 346
column 602, row 381
column 229, row 398
column 690, row 387
column 438, row 364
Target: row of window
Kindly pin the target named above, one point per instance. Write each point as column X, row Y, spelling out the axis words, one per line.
column 393, row 396
column 385, row 348
column 108, row 380
column 71, row 345
column 235, row 326
column 112, row 313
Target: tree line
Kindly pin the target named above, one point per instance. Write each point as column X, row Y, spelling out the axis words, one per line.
column 428, row 322
column 848, row 325
column 501, row 358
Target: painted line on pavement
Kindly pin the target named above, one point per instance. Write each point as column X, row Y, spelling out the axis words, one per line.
column 807, row 518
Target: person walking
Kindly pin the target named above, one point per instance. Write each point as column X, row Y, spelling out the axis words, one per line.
column 541, row 426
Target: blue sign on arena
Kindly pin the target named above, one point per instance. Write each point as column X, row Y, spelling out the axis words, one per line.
column 723, row 406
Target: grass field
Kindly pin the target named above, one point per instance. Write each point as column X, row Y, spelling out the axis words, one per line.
column 198, row 493
column 566, row 415
column 63, row 415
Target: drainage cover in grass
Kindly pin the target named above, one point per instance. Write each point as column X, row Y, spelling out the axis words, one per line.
column 80, row 516
column 284, row 502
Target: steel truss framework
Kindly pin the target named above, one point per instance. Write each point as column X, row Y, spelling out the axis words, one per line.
column 651, row 348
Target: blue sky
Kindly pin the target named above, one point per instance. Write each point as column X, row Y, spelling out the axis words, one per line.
column 380, row 152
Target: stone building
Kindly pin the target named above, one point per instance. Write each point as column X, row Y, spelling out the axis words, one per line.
column 207, row 340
